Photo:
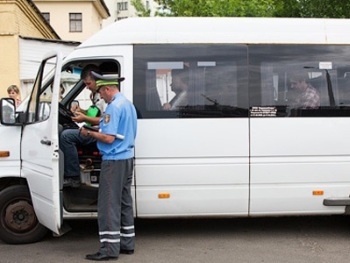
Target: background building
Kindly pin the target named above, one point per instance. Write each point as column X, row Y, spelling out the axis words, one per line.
column 19, row 19
column 72, row 19
column 78, row 20
column 31, row 28
column 120, row 9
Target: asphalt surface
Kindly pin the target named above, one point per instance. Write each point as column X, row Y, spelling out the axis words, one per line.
column 286, row 239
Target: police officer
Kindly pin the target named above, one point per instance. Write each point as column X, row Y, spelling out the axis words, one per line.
column 115, row 140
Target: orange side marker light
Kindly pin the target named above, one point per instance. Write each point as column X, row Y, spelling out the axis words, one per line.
column 4, row 154
column 317, row 192
column 164, row 195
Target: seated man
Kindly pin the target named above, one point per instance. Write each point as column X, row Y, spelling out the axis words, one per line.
column 70, row 138
column 307, row 96
column 179, row 86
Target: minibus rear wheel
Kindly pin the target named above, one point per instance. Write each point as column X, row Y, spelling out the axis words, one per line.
column 18, row 222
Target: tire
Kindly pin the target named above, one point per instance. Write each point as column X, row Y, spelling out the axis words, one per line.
column 18, row 222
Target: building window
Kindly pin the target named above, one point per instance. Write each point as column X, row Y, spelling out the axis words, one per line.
column 75, row 22
column 122, row 6
column 46, row 16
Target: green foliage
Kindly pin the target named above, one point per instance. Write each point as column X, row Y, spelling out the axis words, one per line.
column 256, row 8
column 216, row 7
column 140, row 8
column 313, row 8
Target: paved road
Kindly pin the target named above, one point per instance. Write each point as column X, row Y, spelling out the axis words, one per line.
column 291, row 239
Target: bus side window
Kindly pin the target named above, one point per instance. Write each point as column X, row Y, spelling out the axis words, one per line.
column 216, row 87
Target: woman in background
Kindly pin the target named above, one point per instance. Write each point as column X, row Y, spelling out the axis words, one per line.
column 13, row 92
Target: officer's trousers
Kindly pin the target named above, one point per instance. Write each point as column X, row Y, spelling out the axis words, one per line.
column 115, row 207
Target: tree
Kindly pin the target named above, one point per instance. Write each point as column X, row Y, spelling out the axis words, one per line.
column 315, row 8
column 254, row 8
column 141, row 9
column 216, row 7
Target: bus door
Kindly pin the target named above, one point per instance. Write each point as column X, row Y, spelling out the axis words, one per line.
column 300, row 152
column 40, row 151
column 192, row 145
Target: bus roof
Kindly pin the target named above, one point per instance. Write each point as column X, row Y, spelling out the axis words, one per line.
column 197, row 30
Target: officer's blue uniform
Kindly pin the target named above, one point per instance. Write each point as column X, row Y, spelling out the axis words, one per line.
column 115, row 205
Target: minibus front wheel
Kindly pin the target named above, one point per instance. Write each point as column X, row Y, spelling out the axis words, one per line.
column 18, row 222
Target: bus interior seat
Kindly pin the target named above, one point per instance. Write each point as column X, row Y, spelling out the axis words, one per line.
column 344, row 91
column 153, row 102
column 152, row 99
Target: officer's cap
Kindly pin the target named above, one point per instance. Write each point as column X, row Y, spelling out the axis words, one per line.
column 107, row 79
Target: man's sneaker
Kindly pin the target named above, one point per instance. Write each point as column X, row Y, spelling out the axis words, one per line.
column 71, row 182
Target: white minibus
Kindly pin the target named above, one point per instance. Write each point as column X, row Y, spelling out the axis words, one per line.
column 237, row 117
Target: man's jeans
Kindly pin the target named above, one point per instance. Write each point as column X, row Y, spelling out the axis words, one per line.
column 69, row 140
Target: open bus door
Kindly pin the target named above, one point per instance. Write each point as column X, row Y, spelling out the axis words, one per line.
column 40, row 144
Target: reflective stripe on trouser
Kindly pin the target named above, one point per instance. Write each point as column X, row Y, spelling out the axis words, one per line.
column 115, row 211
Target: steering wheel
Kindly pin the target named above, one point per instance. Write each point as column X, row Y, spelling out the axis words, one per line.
column 65, row 117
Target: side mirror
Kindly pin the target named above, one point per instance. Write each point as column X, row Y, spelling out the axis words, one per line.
column 8, row 111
